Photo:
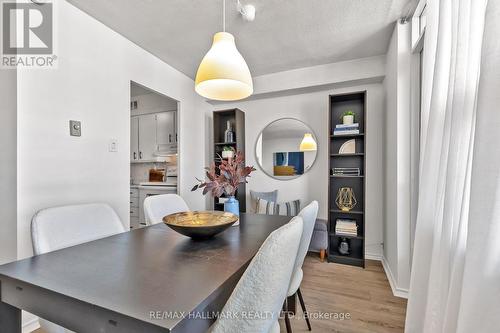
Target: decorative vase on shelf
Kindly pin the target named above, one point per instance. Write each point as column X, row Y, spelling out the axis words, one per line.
column 344, row 247
column 228, row 133
column 348, row 119
column 232, row 205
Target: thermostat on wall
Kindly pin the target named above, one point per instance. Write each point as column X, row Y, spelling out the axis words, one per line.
column 75, row 128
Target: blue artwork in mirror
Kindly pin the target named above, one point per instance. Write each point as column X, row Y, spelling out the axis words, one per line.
column 288, row 163
column 286, row 149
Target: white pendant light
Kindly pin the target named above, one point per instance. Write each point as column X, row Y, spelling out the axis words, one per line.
column 308, row 143
column 223, row 74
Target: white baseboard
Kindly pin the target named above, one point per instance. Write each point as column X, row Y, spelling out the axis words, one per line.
column 373, row 256
column 30, row 322
column 396, row 291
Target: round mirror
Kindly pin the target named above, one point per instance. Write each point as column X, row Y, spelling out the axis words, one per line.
column 286, row 149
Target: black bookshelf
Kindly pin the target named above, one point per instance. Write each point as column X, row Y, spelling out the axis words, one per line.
column 237, row 119
column 338, row 104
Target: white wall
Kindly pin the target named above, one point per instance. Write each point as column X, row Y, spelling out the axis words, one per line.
column 8, row 173
column 390, row 157
column 92, row 84
column 312, row 109
column 397, row 159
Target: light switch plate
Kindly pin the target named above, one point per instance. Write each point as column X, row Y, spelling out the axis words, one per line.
column 113, row 146
column 75, row 128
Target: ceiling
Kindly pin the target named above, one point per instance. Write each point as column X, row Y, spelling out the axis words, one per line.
column 286, row 34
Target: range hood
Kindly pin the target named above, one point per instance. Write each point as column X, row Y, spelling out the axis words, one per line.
column 166, row 151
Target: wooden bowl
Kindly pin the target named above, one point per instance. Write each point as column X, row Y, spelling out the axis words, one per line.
column 200, row 224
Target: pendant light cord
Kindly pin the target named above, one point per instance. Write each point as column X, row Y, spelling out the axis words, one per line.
column 224, row 15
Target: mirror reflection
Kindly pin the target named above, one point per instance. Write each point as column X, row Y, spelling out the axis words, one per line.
column 286, row 149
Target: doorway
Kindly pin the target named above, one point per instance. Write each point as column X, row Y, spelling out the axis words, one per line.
column 154, row 143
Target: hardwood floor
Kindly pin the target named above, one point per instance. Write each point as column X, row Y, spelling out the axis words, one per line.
column 364, row 294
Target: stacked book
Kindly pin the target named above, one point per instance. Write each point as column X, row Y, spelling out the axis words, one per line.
column 345, row 227
column 346, row 172
column 347, row 129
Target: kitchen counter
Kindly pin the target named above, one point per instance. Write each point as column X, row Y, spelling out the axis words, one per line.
column 168, row 183
column 158, row 188
column 156, row 185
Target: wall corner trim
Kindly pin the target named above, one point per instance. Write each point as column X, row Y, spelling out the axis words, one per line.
column 396, row 291
column 30, row 325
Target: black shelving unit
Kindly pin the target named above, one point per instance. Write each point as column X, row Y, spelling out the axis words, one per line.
column 338, row 104
column 237, row 119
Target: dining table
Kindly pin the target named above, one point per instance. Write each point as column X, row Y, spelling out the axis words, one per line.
column 145, row 280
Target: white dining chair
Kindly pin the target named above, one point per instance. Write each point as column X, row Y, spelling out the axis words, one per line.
column 60, row 227
column 257, row 299
column 308, row 215
column 156, row 207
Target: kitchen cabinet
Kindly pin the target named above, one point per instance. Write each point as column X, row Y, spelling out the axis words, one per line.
column 151, row 135
column 134, row 208
column 147, row 136
column 166, row 128
column 134, row 138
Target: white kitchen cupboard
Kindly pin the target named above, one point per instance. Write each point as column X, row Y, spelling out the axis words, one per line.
column 166, row 128
column 147, row 136
column 134, row 138
column 152, row 135
column 134, row 208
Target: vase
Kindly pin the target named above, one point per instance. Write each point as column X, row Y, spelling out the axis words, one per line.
column 228, row 133
column 232, row 206
column 348, row 120
column 344, row 247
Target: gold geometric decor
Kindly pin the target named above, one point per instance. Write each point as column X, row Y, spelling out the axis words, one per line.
column 346, row 200
column 348, row 147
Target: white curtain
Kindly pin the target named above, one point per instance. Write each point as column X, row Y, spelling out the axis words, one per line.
column 455, row 282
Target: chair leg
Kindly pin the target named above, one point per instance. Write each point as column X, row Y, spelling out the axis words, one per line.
column 303, row 305
column 322, row 254
column 287, row 317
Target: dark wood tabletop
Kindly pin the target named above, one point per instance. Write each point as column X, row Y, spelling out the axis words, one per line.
column 145, row 280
